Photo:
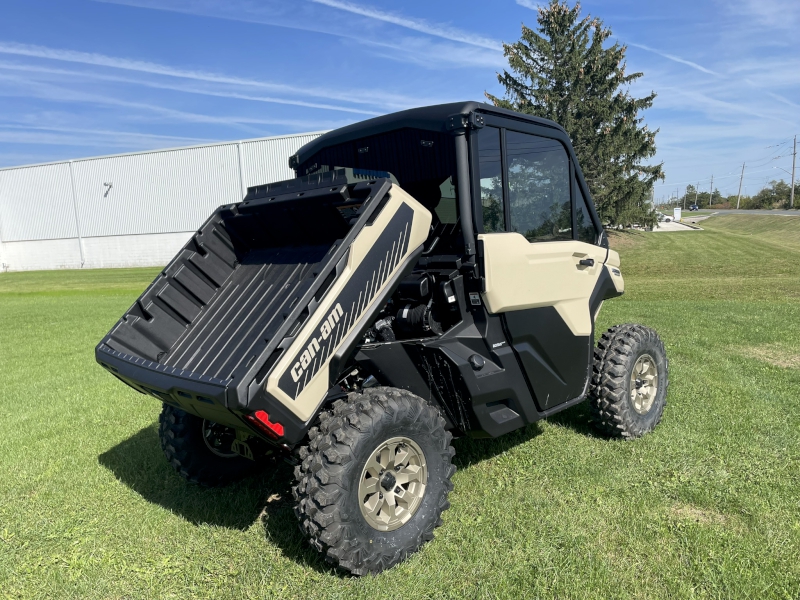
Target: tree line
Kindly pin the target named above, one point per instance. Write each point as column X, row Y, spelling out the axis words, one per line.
column 776, row 195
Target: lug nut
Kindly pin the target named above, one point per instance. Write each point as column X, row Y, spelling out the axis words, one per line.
column 397, row 468
column 380, row 496
column 397, row 490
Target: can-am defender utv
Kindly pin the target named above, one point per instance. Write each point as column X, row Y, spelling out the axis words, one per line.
column 429, row 272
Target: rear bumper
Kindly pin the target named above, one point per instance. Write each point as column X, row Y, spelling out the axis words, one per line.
column 196, row 394
column 200, row 395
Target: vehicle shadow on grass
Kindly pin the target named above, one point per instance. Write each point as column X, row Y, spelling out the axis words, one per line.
column 139, row 463
column 577, row 419
column 471, row 451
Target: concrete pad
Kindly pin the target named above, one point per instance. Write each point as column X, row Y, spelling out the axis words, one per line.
column 665, row 226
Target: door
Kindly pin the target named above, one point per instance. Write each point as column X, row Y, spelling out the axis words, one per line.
column 540, row 260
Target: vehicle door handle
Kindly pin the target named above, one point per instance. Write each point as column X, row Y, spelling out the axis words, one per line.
column 586, row 262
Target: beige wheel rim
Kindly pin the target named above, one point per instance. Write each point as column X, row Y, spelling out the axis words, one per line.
column 392, row 484
column 644, row 384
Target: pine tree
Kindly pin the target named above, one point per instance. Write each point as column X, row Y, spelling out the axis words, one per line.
column 562, row 72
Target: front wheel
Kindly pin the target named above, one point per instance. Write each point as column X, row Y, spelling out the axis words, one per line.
column 374, row 479
column 629, row 382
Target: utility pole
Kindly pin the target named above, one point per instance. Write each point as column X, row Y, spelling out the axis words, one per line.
column 696, row 190
column 794, row 159
column 740, row 188
column 711, row 197
column 686, row 193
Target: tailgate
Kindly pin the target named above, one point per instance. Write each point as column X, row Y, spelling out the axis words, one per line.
column 221, row 313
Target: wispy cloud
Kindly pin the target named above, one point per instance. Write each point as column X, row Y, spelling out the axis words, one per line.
column 774, row 14
column 104, row 132
column 74, row 136
column 152, row 68
column 780, row 98
column 418, row 50
column 672, row 57
column 699, row 100
column 303, row 18
column 18, row 86
column 435, row 29
column 102, row 76
column 529, row 4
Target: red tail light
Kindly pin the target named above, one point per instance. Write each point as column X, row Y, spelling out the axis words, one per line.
column 261, row 420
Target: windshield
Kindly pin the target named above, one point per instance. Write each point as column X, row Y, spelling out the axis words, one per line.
column 423, row 162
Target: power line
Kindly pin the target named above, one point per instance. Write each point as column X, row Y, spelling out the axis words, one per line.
column 768, row 159
column 707, row 179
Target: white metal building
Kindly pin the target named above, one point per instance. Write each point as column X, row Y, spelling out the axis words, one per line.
column 128, row 210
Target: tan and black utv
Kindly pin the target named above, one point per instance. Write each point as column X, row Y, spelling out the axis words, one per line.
column 429, row 272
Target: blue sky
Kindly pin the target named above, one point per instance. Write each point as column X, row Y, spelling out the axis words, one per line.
column 85, row 77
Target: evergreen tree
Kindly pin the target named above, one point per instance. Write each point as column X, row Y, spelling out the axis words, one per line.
column 562, row 72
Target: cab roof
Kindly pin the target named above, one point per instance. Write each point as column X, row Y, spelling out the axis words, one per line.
column 432, row 118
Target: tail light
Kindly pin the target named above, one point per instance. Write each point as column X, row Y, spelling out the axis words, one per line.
column 261, row 420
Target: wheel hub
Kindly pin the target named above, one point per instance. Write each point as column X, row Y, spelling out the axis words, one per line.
column 392, row 484
column 219, row 439
column 644, row 384
column 388, row 481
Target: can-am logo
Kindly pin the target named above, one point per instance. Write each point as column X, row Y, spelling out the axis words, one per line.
column 325, row 330
column 313, row 349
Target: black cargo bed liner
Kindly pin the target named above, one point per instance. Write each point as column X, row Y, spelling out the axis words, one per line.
column 242, row 284
column 247, row 308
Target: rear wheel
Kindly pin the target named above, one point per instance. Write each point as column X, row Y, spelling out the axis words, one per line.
column 374, row 479
column 629, row 383
column 200, row 450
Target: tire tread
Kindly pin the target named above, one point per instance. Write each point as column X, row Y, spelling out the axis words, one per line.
column 319, row 483
column 608, row 402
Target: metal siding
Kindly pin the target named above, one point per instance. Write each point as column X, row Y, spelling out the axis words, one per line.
column 267, row 161
column 162, row 191
column 159, row 192
column 36, row 204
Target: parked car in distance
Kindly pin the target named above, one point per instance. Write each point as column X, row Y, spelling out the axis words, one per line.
column 694, row 207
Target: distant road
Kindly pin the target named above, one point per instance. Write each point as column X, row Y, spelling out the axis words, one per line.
column 781, row 213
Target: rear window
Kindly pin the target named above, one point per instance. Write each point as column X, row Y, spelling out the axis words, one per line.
column 423, row 162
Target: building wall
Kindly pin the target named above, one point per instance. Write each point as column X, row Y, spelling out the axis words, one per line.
column 36, row 203
column 107, row 252
column 40, row 255
column 131, row 209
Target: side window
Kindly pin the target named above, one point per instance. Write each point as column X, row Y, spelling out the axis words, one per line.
column 491, row 176
column 538, row 182
column 446, row 209
column 583, row 219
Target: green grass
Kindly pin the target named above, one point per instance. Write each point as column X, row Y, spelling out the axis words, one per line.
column 708, row 506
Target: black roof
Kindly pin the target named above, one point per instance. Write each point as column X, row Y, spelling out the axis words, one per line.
column 433, row 118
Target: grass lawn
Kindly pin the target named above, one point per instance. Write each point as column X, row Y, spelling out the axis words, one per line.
column 708, row 506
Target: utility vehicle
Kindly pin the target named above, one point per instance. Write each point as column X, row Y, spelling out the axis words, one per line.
column 432, row 272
